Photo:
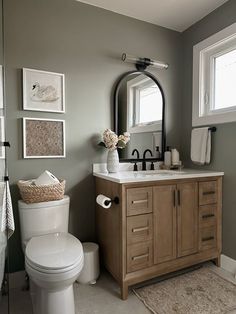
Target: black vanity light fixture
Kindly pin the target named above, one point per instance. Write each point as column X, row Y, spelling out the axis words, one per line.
column 142, row 63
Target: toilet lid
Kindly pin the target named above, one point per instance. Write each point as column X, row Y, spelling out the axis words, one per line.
column 54, row 251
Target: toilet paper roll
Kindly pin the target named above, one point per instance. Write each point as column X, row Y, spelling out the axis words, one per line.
column 102, row 199
column 46, row 178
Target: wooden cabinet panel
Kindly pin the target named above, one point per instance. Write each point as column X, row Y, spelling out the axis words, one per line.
column 139, row 256
column 207, row 192
column 139, row 201
column 207, row 239
column 187, row 218
column 139, row 228
column 207, row 215
column 164, row 223
column 158, row 227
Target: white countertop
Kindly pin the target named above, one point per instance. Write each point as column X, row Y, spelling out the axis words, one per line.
column 154, row 175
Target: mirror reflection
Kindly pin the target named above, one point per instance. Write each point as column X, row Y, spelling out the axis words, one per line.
column 139, row 110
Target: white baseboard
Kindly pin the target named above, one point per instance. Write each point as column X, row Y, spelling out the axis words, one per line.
column 17, row 279
column 228, row 264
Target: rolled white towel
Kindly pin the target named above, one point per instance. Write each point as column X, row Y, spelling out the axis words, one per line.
column 46, row 178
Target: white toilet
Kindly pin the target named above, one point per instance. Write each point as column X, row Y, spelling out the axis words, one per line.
column 53, row 257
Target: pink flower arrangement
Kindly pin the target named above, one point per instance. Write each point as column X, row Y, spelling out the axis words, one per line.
column 112, row 141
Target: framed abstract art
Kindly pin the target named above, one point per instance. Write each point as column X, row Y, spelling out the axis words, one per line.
column 43, row 138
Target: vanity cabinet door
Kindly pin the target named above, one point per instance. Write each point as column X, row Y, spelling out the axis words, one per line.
column 164, row 223
column 187, row 218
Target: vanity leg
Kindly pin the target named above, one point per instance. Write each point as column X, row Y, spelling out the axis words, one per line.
column 217, row 261
column 124, row 291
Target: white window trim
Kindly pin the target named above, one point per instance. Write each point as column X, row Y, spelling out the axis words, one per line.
column 148, row 127
column 198, row 101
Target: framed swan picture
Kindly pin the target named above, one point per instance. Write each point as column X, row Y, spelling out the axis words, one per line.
column 43, row 91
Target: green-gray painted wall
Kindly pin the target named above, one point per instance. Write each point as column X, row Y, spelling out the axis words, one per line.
column 224, row 144
column 85, row 43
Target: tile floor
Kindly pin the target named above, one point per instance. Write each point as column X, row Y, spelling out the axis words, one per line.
column 102, row 298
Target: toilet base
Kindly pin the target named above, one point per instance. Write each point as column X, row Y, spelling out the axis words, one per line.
column 52, row 302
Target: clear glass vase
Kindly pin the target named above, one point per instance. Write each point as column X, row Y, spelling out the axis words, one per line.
column 113, row 161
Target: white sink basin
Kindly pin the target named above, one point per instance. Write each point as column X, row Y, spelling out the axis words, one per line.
column 159, row 172
column 148, row 174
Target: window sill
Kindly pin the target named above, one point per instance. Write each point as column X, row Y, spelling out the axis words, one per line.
column 155, row 127
column 217, row 118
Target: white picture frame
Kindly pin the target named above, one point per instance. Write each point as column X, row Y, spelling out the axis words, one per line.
column 43, row 138
column 2, row 137
column 43, row 91
column 1, row 87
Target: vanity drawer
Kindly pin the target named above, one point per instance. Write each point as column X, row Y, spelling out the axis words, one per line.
column 139, row 228
column 139, row 201
column 207, row 215
column 207, row 238
column 207, row 192
column 139, row 256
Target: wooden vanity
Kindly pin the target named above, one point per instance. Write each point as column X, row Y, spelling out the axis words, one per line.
column 159, row 226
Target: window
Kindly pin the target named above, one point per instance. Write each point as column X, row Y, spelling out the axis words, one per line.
column 149, row 97
column 214, row 78
column 145, row 105
column 225, row 80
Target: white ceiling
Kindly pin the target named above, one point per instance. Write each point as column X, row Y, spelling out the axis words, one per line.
column 174, row 14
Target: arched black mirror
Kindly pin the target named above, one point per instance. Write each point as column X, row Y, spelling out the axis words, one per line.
column 140, row 110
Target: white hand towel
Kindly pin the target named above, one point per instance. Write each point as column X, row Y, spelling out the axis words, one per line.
column 7, row 224
column 201, row 146
column 208, row 149
column 3, row 245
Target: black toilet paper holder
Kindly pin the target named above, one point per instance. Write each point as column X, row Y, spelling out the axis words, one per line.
column 114, row 200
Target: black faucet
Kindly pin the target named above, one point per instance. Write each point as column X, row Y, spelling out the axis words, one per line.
column 135, row 163
column 144, row 157
column 135, row 151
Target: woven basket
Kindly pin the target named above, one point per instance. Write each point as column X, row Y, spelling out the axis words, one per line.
column 31, row 193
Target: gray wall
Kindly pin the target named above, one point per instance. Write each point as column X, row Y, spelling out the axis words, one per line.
column 86, row 44
column 224, row 144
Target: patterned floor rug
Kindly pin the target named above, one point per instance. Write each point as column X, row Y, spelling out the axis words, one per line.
column 198, row 292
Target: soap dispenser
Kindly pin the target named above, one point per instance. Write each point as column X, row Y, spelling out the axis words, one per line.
column 158, row 154
column 175, row 157
column 167, row 157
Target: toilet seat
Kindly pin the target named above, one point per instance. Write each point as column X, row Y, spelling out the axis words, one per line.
column 54, row 271
column 54, row 253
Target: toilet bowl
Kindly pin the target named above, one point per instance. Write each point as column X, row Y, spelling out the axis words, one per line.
column 53, row 257
column 53, row 262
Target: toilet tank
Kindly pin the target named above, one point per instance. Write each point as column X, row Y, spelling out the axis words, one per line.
column 43, row 218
